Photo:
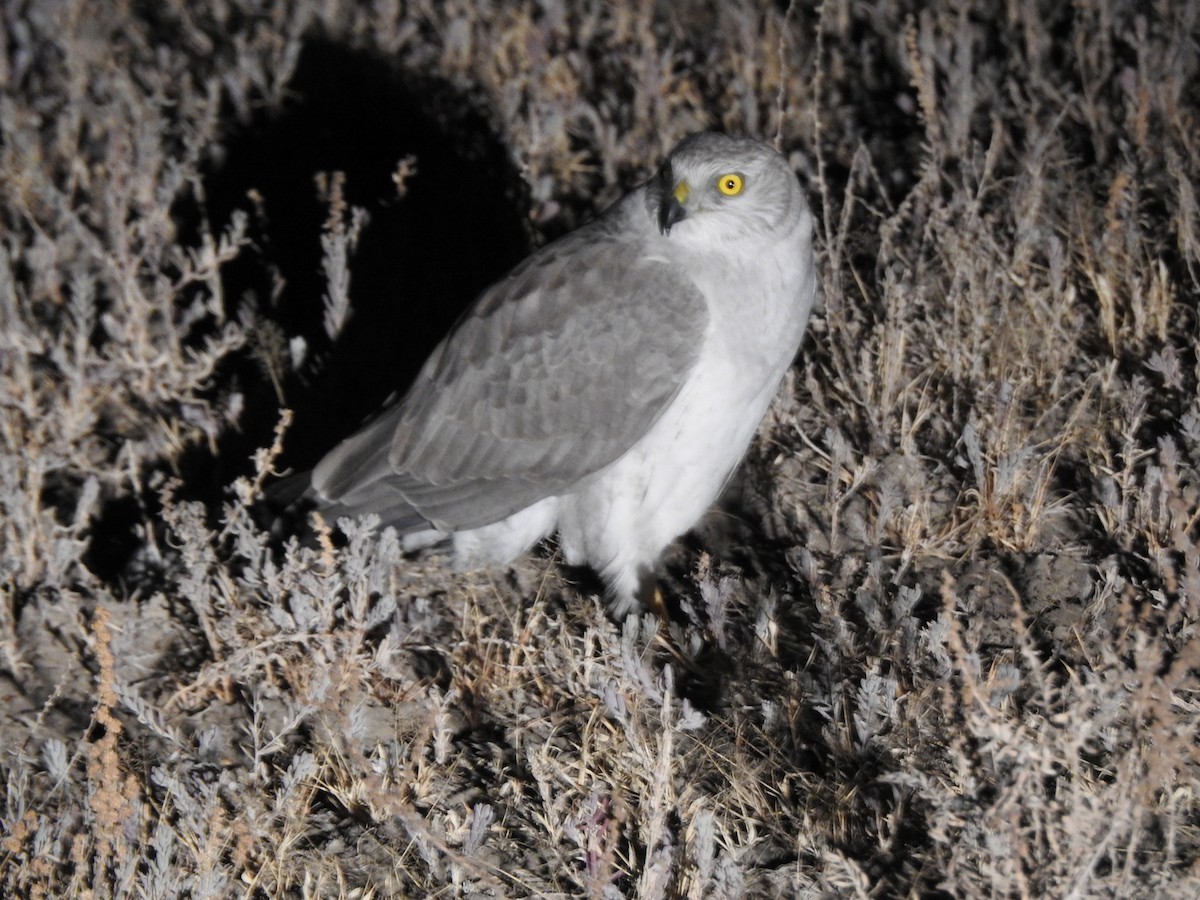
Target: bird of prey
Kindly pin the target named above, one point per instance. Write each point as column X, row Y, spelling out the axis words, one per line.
column 608, row 386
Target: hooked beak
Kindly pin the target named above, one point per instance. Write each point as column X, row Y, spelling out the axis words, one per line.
column 671, row 207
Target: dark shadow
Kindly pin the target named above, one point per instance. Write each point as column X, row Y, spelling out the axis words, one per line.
column 420, row 260
column 115, row 538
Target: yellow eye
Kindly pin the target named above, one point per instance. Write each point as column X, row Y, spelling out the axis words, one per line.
column 730, row 185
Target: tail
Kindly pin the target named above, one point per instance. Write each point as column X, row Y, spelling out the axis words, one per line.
column 292, row 496
column 289, row 492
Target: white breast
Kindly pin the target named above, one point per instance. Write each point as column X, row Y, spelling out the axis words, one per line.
column 758, row 308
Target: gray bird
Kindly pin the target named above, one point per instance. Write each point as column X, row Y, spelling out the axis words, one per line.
column 608, row 386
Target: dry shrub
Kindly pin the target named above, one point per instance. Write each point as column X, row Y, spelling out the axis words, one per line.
column 947, row 648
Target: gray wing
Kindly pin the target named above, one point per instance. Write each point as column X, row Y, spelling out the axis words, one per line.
column 555, row 372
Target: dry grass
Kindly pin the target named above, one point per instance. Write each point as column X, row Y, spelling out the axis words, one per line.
column 950, row 647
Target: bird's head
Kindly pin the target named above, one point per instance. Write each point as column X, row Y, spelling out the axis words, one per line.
column 723, row 187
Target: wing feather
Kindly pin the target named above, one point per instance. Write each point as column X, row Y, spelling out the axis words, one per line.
column 555, row 372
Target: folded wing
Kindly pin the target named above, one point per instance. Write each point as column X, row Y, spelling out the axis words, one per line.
column 555, row 372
